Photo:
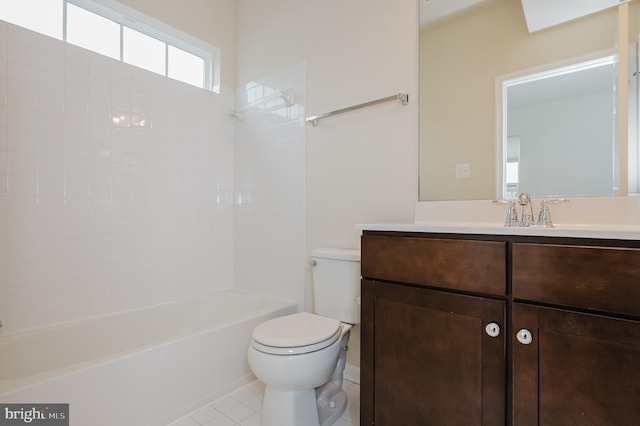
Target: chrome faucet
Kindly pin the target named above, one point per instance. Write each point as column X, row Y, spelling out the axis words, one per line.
column 526, row 218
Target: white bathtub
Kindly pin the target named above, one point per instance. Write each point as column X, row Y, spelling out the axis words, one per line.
column 143, row 367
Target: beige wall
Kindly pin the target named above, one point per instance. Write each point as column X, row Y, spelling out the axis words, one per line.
column 460, row 60
column 212, row 21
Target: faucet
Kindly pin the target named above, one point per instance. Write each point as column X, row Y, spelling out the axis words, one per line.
column 526, row 219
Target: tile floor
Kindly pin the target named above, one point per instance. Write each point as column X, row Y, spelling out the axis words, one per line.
column 242, row 408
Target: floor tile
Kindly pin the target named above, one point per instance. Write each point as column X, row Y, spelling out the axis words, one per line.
column 185, row 421
column 255, row 403
column 242, row 408
column 205, row 414
column 245, row 393
column 225, row 404
column 239, row 413
column 253, row 420
column 221, row 421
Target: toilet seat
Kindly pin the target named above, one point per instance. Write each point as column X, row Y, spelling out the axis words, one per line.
column 296, row 334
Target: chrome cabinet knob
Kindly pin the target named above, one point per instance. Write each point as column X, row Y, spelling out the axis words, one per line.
column 524, row 336
column 492, row 329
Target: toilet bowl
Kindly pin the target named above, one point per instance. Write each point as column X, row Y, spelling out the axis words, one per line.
column 293, row 369
column 301, row 357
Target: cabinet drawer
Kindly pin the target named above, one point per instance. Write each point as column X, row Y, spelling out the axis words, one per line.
column 467, row 265
column 599, row 278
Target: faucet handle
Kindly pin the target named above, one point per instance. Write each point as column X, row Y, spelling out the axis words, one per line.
column 556, row 200
column 512, row 215
column 544, row 218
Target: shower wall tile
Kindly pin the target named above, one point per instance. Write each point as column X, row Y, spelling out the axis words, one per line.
column 269, row 186
column 116, row 185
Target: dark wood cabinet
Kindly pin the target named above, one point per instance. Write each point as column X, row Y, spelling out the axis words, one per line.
column 568, row 347
column 428, row 343
column 578, row 369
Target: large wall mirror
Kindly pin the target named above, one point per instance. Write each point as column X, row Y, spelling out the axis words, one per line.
column 504, row 111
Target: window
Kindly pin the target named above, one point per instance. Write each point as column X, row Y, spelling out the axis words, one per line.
column 184, row 66
column 119, row 32
column 144, row 51
column 93, row 32
column 47, row 21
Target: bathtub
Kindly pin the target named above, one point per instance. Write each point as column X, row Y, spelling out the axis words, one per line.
column 143, row 367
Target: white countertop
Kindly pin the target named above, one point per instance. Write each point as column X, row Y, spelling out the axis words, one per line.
column 618, row 232
column 587, row 217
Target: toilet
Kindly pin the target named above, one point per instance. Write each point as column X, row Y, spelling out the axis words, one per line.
column 301, row 357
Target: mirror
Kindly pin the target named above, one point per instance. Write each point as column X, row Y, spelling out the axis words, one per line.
column 464, row 60
column 558, row 131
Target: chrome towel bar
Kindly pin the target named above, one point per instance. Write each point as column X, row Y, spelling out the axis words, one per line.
column 402, row 97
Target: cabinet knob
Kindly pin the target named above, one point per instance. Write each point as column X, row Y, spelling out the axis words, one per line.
column 524, row 336
column 492, row 329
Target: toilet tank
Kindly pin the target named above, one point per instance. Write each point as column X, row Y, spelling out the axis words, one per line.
column 336, row 283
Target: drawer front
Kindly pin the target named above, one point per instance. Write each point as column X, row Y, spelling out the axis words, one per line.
column 467, row 265
column 599, row 278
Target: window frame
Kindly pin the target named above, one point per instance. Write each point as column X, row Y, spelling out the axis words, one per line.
column 128, row 17
column 135, row 20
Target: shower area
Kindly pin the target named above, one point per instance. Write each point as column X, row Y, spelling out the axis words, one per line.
column 182, row 198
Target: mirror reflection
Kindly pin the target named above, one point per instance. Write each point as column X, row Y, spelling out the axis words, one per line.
column 558, row 130
column 465, row 58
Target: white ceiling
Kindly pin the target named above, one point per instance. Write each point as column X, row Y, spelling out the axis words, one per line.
column 539, row 14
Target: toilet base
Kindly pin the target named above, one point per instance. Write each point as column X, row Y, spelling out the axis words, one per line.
column 289, row 408
column 300, row 408
column 328, row 414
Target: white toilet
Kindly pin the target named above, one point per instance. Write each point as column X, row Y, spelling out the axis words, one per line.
column 301, row 357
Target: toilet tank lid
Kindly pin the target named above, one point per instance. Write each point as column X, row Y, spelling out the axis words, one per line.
column 337, row 253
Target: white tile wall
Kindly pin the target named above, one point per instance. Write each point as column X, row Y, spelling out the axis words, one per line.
column 269, row 179
column 116, row 184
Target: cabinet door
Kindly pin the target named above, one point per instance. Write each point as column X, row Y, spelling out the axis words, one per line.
column 427, row 358
column 577, row 369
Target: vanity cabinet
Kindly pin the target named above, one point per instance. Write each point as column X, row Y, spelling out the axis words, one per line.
column 427, row 353
column 576, row 334
column 499, row 330
column 577, row 369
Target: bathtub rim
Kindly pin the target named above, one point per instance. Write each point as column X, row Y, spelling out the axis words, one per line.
column 9, row 386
